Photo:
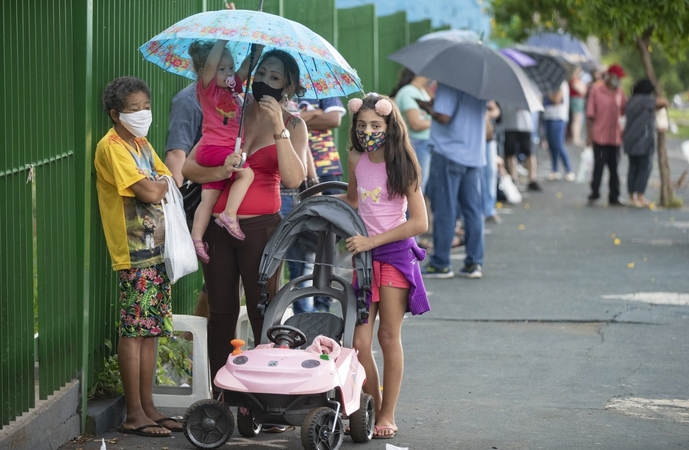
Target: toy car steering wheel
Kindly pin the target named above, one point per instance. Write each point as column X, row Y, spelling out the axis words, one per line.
column 285, row 335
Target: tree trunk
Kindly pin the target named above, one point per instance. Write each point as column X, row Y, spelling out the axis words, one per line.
column 666, row 191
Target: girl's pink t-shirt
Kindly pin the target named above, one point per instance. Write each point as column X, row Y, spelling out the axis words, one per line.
column 221, row 109
column 378, row 212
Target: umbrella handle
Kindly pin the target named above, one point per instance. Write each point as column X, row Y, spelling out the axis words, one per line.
column 238, row 149
column 240, row 134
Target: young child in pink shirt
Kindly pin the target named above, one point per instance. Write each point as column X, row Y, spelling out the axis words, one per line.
column 218, row 90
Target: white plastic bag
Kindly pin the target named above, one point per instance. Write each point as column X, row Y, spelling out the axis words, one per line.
column 585, row 165
column 508, row 188
column 180, row 256
column 662, row 120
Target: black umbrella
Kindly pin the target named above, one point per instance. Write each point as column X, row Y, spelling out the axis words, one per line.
column 549, row 71
column 471, row 67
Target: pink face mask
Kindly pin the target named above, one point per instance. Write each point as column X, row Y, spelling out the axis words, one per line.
column 371, row 141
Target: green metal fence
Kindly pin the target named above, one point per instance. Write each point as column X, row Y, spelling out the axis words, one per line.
column 360, row 49
column 393, row 34
column 418, row 29
column 55, row 272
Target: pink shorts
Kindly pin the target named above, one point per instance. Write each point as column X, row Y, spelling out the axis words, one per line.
column 385, row 275
column 214, row 156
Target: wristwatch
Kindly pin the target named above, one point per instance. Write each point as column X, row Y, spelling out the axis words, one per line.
column 283, row 135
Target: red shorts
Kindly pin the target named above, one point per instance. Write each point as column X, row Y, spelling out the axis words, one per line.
column 385, row 275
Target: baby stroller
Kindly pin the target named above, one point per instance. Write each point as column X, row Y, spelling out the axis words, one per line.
column 304, row 372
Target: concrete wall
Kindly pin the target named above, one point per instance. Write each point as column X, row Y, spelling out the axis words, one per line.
column 52, row 423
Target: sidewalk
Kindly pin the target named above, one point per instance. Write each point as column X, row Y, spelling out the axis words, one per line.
column 575, row 338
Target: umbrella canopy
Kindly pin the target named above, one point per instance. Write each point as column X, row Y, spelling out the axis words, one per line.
column 468, row 35
column 562, row 43
column 472, row 68
column 324, row 72
column 549, row 71
column 520, row 58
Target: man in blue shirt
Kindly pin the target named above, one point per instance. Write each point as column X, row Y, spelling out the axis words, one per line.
column 458, row 135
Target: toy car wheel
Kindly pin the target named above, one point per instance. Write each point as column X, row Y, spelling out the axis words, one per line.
column 247, row 426
column 362, row 421
column 208, row 424
column 322, row 430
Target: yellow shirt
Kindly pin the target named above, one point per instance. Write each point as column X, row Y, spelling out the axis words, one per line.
column 134, row 230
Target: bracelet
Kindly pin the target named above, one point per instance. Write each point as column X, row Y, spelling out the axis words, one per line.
column 312, row 181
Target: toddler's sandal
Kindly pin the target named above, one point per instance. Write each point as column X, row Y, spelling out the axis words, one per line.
column 201, row 249
column 231, row 225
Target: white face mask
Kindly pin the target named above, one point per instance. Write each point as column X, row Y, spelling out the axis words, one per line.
column 137, row 122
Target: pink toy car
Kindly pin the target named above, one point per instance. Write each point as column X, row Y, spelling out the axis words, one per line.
column 305, row 372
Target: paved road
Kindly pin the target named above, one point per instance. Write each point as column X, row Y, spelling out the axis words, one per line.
column 577, row 337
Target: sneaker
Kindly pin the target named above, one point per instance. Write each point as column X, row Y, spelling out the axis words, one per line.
column 570, row 176
column 617, row 202
column 554, row 176
column 533, row 186
column 434, row 272
column 472, row 271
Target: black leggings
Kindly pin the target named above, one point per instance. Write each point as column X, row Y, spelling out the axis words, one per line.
column 231, row 260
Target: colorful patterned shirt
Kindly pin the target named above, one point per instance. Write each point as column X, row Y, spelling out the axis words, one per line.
column 322, row 142
column 134, row 230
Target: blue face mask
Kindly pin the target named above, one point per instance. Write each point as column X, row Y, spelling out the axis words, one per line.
column 371, row 141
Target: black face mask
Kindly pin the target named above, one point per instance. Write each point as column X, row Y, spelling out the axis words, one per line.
column 259, row 89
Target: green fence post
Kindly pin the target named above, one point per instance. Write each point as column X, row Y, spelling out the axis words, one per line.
column 418, row 29
column 360, row 49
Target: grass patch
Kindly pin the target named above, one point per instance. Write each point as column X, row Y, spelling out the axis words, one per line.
column 681, row 118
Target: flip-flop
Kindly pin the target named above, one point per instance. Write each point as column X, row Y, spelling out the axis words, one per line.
column 165, row 419
column 384, row 436
column 140, row 431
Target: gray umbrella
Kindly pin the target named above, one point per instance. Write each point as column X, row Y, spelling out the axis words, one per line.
column 470, row 67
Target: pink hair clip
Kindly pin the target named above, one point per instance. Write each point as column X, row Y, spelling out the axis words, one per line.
column 354, row 105
column 383, row 107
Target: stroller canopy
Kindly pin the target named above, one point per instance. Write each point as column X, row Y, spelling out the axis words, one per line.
column 316, row 214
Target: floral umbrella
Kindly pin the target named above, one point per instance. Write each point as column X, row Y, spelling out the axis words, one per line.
column 324, row 72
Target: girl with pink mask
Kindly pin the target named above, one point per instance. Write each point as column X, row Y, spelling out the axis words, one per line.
column 385, row 183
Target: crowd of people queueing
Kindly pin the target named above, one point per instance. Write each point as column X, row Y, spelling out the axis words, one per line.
column 426, row 141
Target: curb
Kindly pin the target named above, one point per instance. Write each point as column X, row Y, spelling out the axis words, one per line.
column 104, row 414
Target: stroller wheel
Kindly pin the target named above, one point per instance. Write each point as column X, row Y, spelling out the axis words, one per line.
column 208, row 424
column 247, row 426
column 322, row 430
column 363, row 420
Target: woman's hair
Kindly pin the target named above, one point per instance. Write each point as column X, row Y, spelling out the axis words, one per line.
column 291, row 71
column 406, row 76
column 116, row 92
column 199, row 51
column 401, row 164
column 643, row 86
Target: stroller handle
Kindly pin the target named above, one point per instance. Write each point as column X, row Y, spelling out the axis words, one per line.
column 317, row 189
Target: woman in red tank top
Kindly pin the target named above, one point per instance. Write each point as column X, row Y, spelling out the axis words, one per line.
column 276, row 145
